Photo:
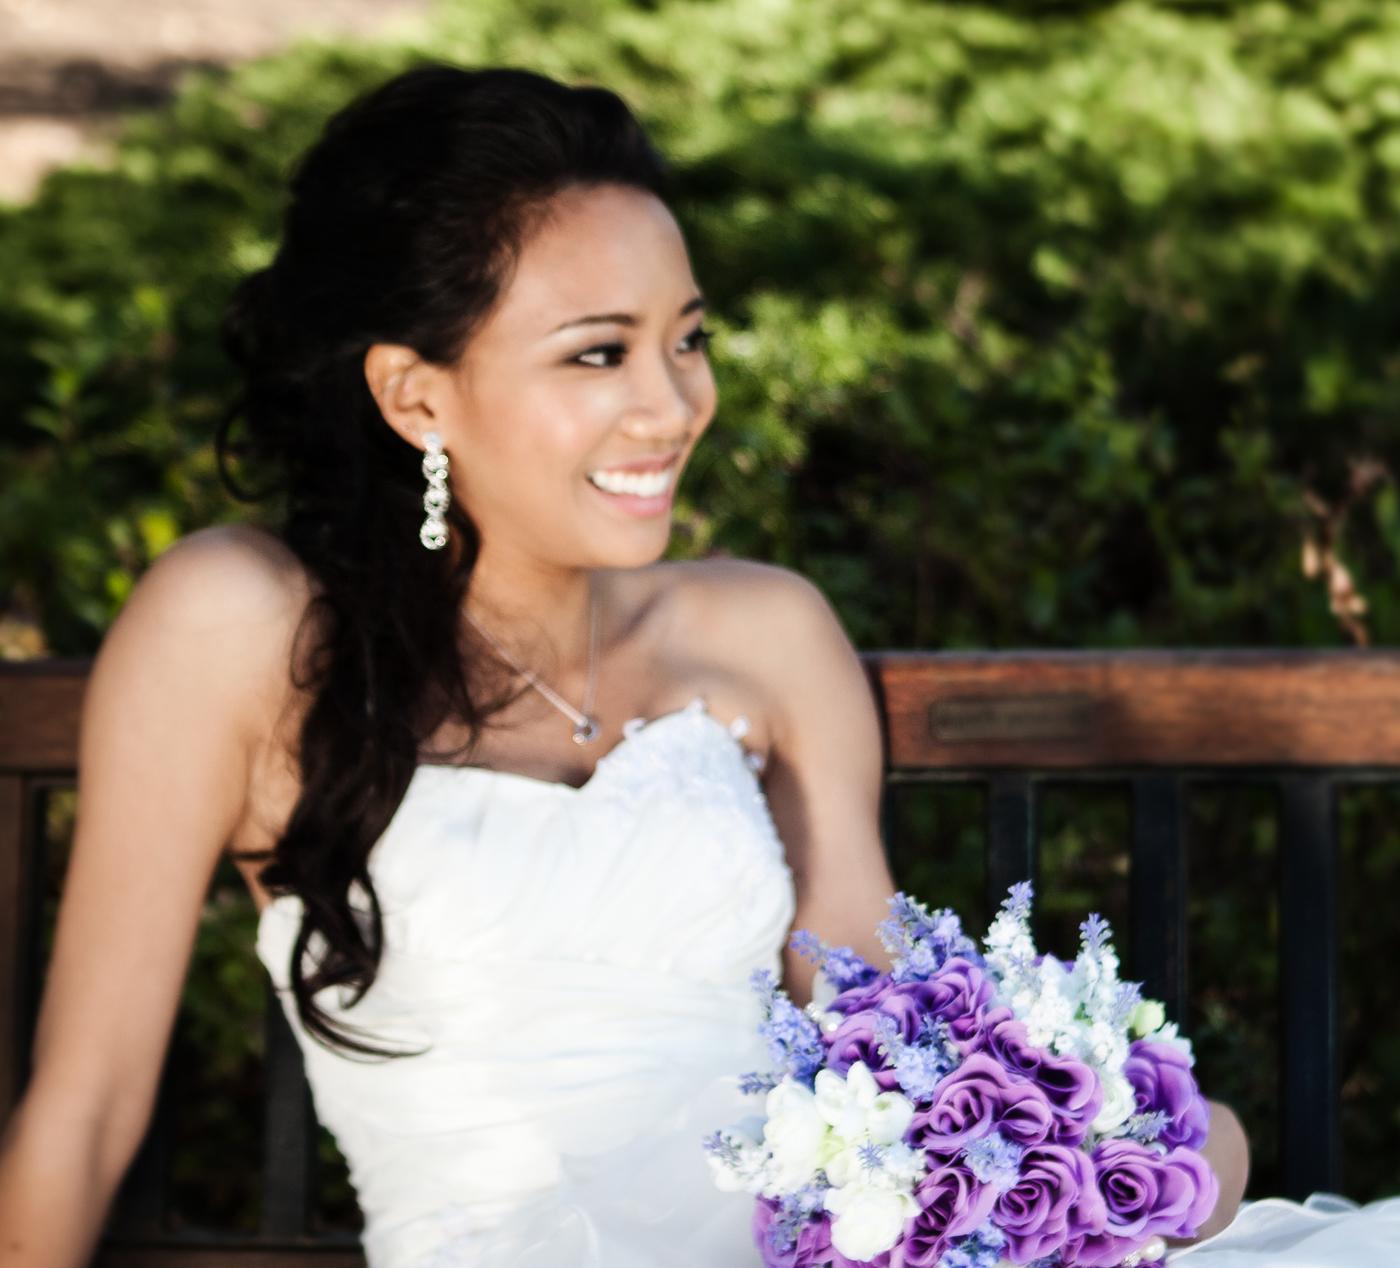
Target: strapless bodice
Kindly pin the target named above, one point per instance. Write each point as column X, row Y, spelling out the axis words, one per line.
column 576, row 961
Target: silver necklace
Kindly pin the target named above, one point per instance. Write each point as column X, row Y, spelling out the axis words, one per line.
column 585, row 724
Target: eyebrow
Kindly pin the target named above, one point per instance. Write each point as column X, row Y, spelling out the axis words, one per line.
column 624, row 319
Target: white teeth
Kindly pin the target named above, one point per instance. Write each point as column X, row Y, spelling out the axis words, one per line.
column 649, row 484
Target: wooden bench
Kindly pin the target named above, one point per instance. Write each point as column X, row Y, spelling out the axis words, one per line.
column 1304, row 723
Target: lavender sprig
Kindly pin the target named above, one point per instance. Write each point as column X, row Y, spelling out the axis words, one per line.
column 995, row 1160
column 794, row 1210
column 1147, row 1128
column 723, row 1148
column 919, row 1067
column 794, row 1042
column 1094, row 933
column 1017, row 903
column 980, row 1249
column 1125, row 1002
column 843, row 967
column 921, row 941
column 872, row 1156
column 756, row 1083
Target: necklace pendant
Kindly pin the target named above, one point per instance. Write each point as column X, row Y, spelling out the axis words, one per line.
column 585, row 732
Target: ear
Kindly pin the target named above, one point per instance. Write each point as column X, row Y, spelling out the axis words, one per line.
column 400, row 382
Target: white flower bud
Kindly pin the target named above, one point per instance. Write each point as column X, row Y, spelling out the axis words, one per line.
column 1147, row 1017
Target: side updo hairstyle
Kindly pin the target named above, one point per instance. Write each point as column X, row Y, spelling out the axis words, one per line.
column 404, row 222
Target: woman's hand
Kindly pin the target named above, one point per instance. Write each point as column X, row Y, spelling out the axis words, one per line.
column 1227, row 1151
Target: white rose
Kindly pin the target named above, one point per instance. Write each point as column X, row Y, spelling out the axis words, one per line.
column 1119, row 1104
column 855, row 1107
column 868, row 1219
column 796, row 1133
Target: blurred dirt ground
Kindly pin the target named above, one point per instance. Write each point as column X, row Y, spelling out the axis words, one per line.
column 69, row 68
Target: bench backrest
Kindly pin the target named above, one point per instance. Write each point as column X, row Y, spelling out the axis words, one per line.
column 1306, row 722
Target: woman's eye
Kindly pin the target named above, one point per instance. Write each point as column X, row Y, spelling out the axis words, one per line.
column 603, row 349
column 699, row 339
column 702, row 337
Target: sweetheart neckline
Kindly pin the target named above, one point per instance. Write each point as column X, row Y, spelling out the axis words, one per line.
column 695, row 707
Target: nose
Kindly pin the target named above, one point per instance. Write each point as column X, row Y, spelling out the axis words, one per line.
column 667, row 403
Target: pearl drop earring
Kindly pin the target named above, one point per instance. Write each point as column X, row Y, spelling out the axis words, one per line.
column 433, row 534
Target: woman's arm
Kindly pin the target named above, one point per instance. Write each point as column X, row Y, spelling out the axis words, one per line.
column 823, row 784
column 170, row 718
column 825, row 769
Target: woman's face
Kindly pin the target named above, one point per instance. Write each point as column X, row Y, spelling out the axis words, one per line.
column 590, row 361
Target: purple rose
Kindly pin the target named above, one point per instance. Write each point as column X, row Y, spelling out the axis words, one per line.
column 1001, row 1035
column 1074, row 1093
column 856, row 1038
column 952, row 1203
column 1071, row 1087
column 811, row 1249
column 975, row 1099
column 964, row 1107
column 1026, row 1116
column 1146, row 1195
column 959, row 994
column 857, row 999
column 1054, row 1199
column 1161, row 1076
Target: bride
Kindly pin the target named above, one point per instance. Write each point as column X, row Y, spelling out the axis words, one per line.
column 522, row 805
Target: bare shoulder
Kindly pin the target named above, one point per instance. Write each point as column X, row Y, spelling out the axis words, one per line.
column 239, row 567
column 234, row 595
column 778, row 627
column 744, row 591
column 233, row 576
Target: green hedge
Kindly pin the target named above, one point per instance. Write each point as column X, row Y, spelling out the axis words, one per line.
column 1048, row 320
column 1035, row 324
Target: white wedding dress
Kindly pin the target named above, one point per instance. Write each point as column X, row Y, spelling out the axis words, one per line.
column 578, row 961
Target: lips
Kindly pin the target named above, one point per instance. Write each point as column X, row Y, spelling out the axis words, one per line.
column 638, row 466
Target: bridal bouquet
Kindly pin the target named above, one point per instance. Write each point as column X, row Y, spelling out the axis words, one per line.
column 969, row 1108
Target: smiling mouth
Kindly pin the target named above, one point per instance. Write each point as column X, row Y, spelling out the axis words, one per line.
column 643, row 484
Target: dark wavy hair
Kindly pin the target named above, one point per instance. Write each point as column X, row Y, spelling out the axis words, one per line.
column 405, row 219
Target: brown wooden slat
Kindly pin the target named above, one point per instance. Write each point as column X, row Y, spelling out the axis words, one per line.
column 1078, row 710
column 1042, row 710
column 40, row 705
